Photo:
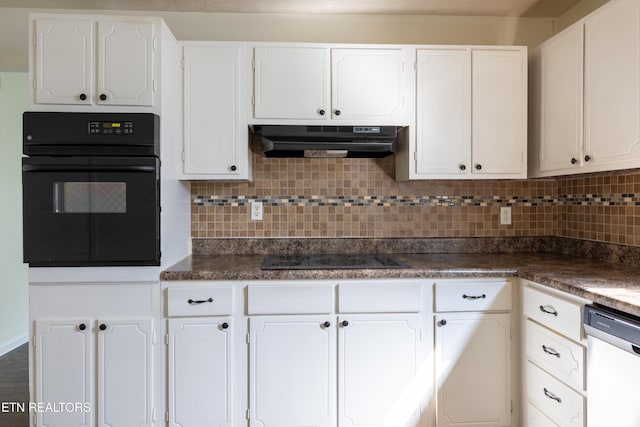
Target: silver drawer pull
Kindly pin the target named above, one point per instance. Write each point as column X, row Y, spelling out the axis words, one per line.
column 552, row 396
column 474, row 297
column 199, row 301
column 548, row 309
column 550, row 351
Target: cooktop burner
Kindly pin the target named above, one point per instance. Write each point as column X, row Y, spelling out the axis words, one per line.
column 330, row 261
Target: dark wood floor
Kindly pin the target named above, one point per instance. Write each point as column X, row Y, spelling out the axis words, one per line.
column 14, row 386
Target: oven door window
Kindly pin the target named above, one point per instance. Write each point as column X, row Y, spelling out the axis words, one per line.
column 90, row 197
column 91, row 211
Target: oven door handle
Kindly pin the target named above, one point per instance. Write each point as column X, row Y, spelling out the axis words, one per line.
column 87, row 168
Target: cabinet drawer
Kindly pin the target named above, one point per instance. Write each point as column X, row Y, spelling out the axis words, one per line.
column 385, row 297
column 199, row 301
column 473, row 295
column 558, row 355
column 563, row 316
column 559, row 402
column 290, row 299
column 535, row 418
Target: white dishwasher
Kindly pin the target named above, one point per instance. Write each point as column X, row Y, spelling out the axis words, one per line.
column 613, row 368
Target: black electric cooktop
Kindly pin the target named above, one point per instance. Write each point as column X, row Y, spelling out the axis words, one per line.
column 330, row 262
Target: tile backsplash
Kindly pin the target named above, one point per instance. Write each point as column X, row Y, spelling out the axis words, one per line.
column 360, row 198
column 601, row 207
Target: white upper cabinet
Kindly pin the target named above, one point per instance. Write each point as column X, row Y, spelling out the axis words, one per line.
column 291, row 83
column 585, row 99
column 63, row 63
column 215, row 128
column 471, row 114
column 443, row 125
column 499, row 113
column 367, row 84
column 612, row 86
column 556, row 98
column 84, row 61
column 125, row 63
column 358, row 85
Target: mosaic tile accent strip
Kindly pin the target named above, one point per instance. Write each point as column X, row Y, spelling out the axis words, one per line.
column 348, row 201
column 630, row 199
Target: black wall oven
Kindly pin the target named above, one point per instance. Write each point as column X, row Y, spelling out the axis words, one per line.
column 91, row 189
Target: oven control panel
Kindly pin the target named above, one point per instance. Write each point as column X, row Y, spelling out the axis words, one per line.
column 111, row 128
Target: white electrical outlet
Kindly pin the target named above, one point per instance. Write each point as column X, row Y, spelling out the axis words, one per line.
column 256, row 211
column 505, row 215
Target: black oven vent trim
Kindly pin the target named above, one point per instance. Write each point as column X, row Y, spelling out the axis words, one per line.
column 89, row 150
column 48, row 133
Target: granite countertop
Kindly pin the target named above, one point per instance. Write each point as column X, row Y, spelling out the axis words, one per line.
column 609, row 284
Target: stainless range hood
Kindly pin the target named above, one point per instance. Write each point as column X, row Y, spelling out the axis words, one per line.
column 328, row 141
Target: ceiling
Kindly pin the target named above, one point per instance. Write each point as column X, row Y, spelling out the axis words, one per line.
column 527, row 8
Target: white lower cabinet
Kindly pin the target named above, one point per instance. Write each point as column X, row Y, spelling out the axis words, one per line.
column 292, row 371
column 554, row 398
column 203, row 355
column 200, row 372
column 379, row 370
column 535, row 418
column 94, row 359
column 473, row 349
column 473, row 369
column 64, row 349
column 554, row 363
column 344, row 364
column 317, row 353
column 123, row 377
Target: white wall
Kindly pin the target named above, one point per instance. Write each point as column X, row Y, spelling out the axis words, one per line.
column 13, row 273
column 418, row 29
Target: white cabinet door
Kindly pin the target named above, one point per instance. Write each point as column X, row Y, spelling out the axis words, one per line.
column 63, row 61
column 292, row 371
column 561, row 102
column 471, row 113
column 612, row 86
column 499, row 87
column 200, row 372
column 443, row 122
column 367, row 84
column 64, row 370
column 215, row 129
column 473, row 369
column 535, row 418
column 378, row 366
column 291, row 83
column 125, row 373
column 125, row 63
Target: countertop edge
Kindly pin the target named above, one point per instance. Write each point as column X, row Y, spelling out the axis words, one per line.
column 600, row 287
